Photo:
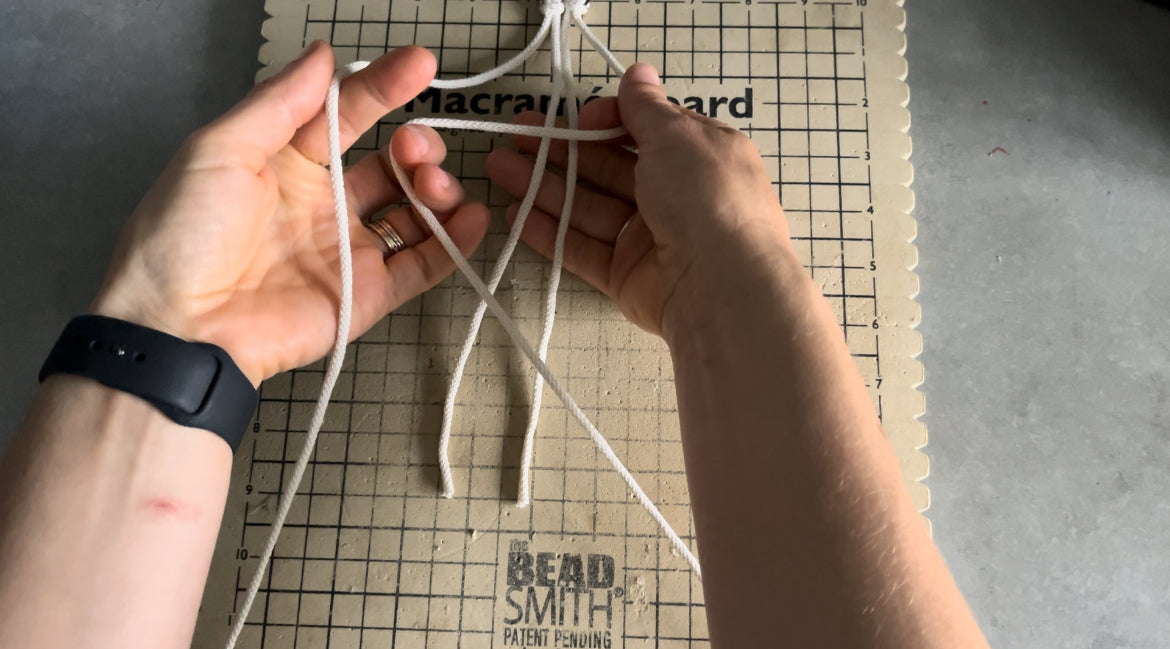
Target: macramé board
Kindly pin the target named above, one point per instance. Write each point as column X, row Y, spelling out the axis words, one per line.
column 371, row 555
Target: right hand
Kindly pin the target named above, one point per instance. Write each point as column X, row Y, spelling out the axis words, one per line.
column 664, row 230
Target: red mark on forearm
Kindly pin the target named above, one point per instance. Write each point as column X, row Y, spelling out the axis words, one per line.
column 170, row 508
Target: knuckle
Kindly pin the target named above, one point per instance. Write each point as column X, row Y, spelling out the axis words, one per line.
column 346, row 127
column 743, row 145
column 430, row 274
column 732, row 144
column 575, row 248
column 374, row 91
column 676, row 119
column 674, row 130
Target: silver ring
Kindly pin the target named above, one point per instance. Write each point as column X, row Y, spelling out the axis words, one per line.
column 625, row 226
column 388, row 235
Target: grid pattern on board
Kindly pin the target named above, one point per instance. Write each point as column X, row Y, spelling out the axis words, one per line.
column 371, row 555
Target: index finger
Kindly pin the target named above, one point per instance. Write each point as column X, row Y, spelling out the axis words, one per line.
column 366, row 96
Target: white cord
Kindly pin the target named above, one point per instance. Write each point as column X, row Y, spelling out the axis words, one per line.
column 556, row 21
column 562, row 73
column 559, row 27
column 579, row 17
column 336, row 357
column 553, row 383
column 505, row 67
column 550, row 308
column 561, row 66
column 501, row 263
column 551, row 132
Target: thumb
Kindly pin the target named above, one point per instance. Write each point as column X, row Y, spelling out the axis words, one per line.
column 265, row 121
column 643, row 105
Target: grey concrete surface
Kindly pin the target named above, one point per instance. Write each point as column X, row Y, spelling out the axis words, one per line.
column 1045, row 299
column 94, row 99
column 1045, row 271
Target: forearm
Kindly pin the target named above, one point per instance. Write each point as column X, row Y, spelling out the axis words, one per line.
column 806, row 531
column 108, row 518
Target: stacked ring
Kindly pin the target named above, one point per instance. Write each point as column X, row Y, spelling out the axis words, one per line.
column 388, row 235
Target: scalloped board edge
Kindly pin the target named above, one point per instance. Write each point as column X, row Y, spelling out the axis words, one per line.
column 903, row 404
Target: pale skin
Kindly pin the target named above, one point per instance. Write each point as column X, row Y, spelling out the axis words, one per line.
column 109, row 512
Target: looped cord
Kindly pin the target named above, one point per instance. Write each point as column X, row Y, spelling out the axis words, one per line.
column 556, row 22
column 577, row 7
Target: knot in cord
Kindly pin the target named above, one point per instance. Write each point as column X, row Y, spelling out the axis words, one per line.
column 578, row 7
column 557, row 7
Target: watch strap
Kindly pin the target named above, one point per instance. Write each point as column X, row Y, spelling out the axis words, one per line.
column 193, row 384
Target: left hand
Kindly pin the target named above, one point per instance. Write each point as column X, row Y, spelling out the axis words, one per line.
column 236, row 243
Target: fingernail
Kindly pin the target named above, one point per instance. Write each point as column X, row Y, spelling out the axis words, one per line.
column 295, row 63
column 308, row 50
column 421, row 143
column 643, row 73
column 445, row 180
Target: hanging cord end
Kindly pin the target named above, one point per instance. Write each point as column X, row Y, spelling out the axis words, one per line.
column 523, row 497
column 447, row 484
column 523, row 491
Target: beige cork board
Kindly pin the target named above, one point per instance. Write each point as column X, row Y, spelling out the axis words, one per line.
column 372, row 555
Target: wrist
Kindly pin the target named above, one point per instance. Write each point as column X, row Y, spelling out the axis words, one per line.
column 142, row 311
column 194, row 384
column 746, row 286
column 117, row 418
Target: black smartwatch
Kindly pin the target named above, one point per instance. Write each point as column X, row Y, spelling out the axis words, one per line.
column 193, row 384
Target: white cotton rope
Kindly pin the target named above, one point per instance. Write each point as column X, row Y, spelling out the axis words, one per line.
column 498, row 270
column 507, row 66
column 336, row 357
column 564, row 58
column 556, row 22
column 554, row 384
column 562, row 74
